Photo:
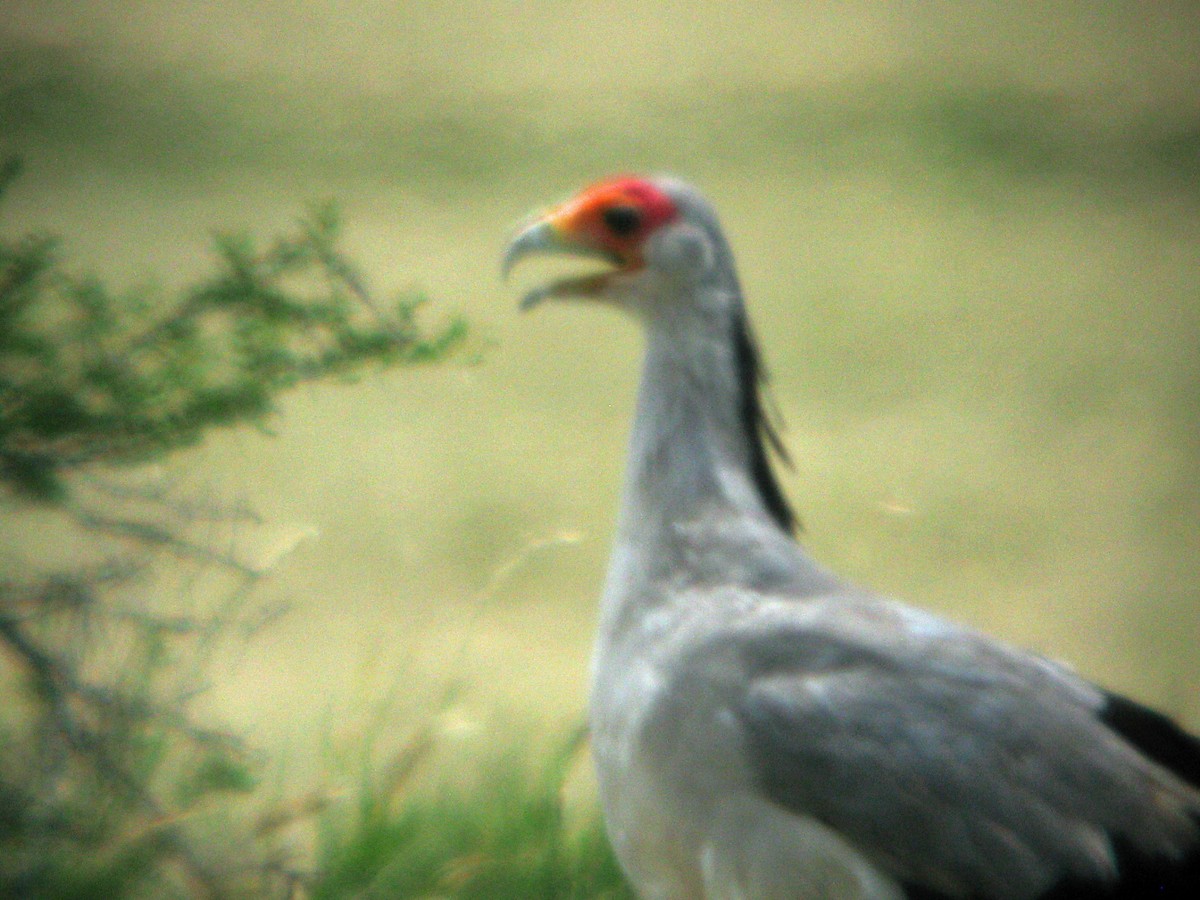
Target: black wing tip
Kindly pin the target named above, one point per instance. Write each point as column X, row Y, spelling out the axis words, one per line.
column 1138, row 878
column 1157, row 736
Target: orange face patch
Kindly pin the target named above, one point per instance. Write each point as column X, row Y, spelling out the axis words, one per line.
column 615, row 217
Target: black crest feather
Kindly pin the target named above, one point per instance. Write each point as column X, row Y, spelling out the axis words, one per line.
column 758, row 427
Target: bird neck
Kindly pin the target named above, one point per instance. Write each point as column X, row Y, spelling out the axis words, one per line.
column 701, row 505
column 699, row 437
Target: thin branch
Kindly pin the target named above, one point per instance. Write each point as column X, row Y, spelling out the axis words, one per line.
column 161, row 536
column 60, row 682
column 160, row 495
column 57, row 685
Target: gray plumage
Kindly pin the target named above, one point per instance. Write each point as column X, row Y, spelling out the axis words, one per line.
column 761, row 729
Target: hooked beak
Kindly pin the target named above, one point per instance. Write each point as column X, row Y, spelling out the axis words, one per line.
column 548, row 235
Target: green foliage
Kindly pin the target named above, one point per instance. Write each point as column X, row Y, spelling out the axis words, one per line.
column 88, row 375
column 108, row 786
column 216, row 773
column 502, row 832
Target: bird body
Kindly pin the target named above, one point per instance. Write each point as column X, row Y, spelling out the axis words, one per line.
column 764, row 731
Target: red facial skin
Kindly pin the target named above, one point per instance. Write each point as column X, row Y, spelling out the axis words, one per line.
column 583, row 218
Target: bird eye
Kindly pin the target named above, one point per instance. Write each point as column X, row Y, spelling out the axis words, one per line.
column 622, row 220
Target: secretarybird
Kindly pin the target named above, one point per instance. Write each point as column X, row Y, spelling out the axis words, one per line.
column 762, row 729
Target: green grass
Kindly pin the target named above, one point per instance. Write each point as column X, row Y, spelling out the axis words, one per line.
column 503, row 829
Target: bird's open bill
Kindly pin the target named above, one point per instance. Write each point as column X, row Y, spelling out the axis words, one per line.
column 548, row 236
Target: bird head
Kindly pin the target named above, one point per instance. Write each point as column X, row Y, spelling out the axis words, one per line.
column 649, row 233
column 666, row 260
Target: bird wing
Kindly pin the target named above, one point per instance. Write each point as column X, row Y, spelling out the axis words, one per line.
column 960, row 765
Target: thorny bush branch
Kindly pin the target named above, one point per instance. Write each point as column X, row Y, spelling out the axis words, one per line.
column 103, row 767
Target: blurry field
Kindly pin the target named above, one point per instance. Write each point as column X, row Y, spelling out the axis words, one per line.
column 970, row 239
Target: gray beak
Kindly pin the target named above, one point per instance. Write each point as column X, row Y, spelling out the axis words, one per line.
column 543, row 237
column 539, row 237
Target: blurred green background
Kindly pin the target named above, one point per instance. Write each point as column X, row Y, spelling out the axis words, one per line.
column 969, row 234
